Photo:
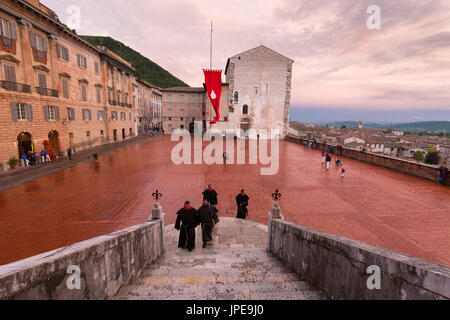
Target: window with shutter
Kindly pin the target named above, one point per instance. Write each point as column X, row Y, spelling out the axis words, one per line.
column 51, row 113
column 33, row 40
column 8, row 29
column 96, row 68
column 10, row 73
column 29, row 112
column 21, row 111
column 99, row 97
column 65, row 88
column 42, row 80
column 46, row 113
column 83, row 92
column 14, row 111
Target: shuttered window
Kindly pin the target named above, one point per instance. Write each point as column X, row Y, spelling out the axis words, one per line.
column 63, row 52
column 99, row 96
column 101, row 115
column 82, row 61
column 65, row 88
column 83, row 92
column 51, row 113
column 10, row 73
column 96, row 67
column 8, row 29
column 71, row 114
column 21, row 111
column 42, row 80
column 37, row 42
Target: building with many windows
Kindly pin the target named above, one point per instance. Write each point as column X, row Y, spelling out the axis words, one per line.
column 182, row 107
column 57, row 88
column 148, row 103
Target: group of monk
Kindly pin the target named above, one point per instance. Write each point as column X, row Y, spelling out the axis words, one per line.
column 189, row 218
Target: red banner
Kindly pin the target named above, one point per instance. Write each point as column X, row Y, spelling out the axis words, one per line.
column 213, row 82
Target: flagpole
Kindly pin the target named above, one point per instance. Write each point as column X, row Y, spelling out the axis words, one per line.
column 210, row 67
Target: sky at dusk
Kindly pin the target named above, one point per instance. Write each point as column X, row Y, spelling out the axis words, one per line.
column 340, row 65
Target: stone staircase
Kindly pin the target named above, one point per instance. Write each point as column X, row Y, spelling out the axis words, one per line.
column 236, row 266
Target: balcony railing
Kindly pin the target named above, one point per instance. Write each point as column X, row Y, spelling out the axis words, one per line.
column 112, row 102
column 47, row 92
column 129, row 106
column 14, row 86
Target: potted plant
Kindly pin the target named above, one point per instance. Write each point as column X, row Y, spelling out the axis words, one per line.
column 95, row 156
column 13, row 162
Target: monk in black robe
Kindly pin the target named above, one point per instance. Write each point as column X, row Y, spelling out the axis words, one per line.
column 242, row 203
column 211, row 195
column 187, row 221
column 207, row 215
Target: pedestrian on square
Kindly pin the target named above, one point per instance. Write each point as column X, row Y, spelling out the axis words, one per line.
column 69, row 153
column 187, row 221
column 42, row 156
column 211, row 195
column 242, row 203
column 225, row 156
column 323, row 157
column 207, row 215
column 342, row 172
column 328, row 160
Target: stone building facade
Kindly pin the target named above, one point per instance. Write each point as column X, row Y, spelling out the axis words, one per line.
column 56, row 87
column 148, row 103
column 182, row 107
column 259, row 89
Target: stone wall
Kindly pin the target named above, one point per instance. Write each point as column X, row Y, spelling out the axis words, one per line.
column 106, row 263
column 420, row 170
column 339, row 266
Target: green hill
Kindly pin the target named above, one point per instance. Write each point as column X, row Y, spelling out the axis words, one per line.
column 146, row 69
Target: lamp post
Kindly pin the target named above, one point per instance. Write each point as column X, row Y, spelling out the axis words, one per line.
column 275, row 213
column 276, row 210
column 156, row 210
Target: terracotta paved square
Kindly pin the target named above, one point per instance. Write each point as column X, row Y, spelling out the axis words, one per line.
column 370, row 204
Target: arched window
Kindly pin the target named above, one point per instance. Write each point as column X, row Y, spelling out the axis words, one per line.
column 245, row 109
column 236, row 97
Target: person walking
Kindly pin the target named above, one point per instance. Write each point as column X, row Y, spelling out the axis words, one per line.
column 69, row 153
column 207, row 215
column 187, row 221
column 328, row 160
column 210, row 195
column 323, row 157
column 225, row 156
column 242, row 203
column 342, row 172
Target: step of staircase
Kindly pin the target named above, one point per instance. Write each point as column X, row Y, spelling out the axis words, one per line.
column 236, row 266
